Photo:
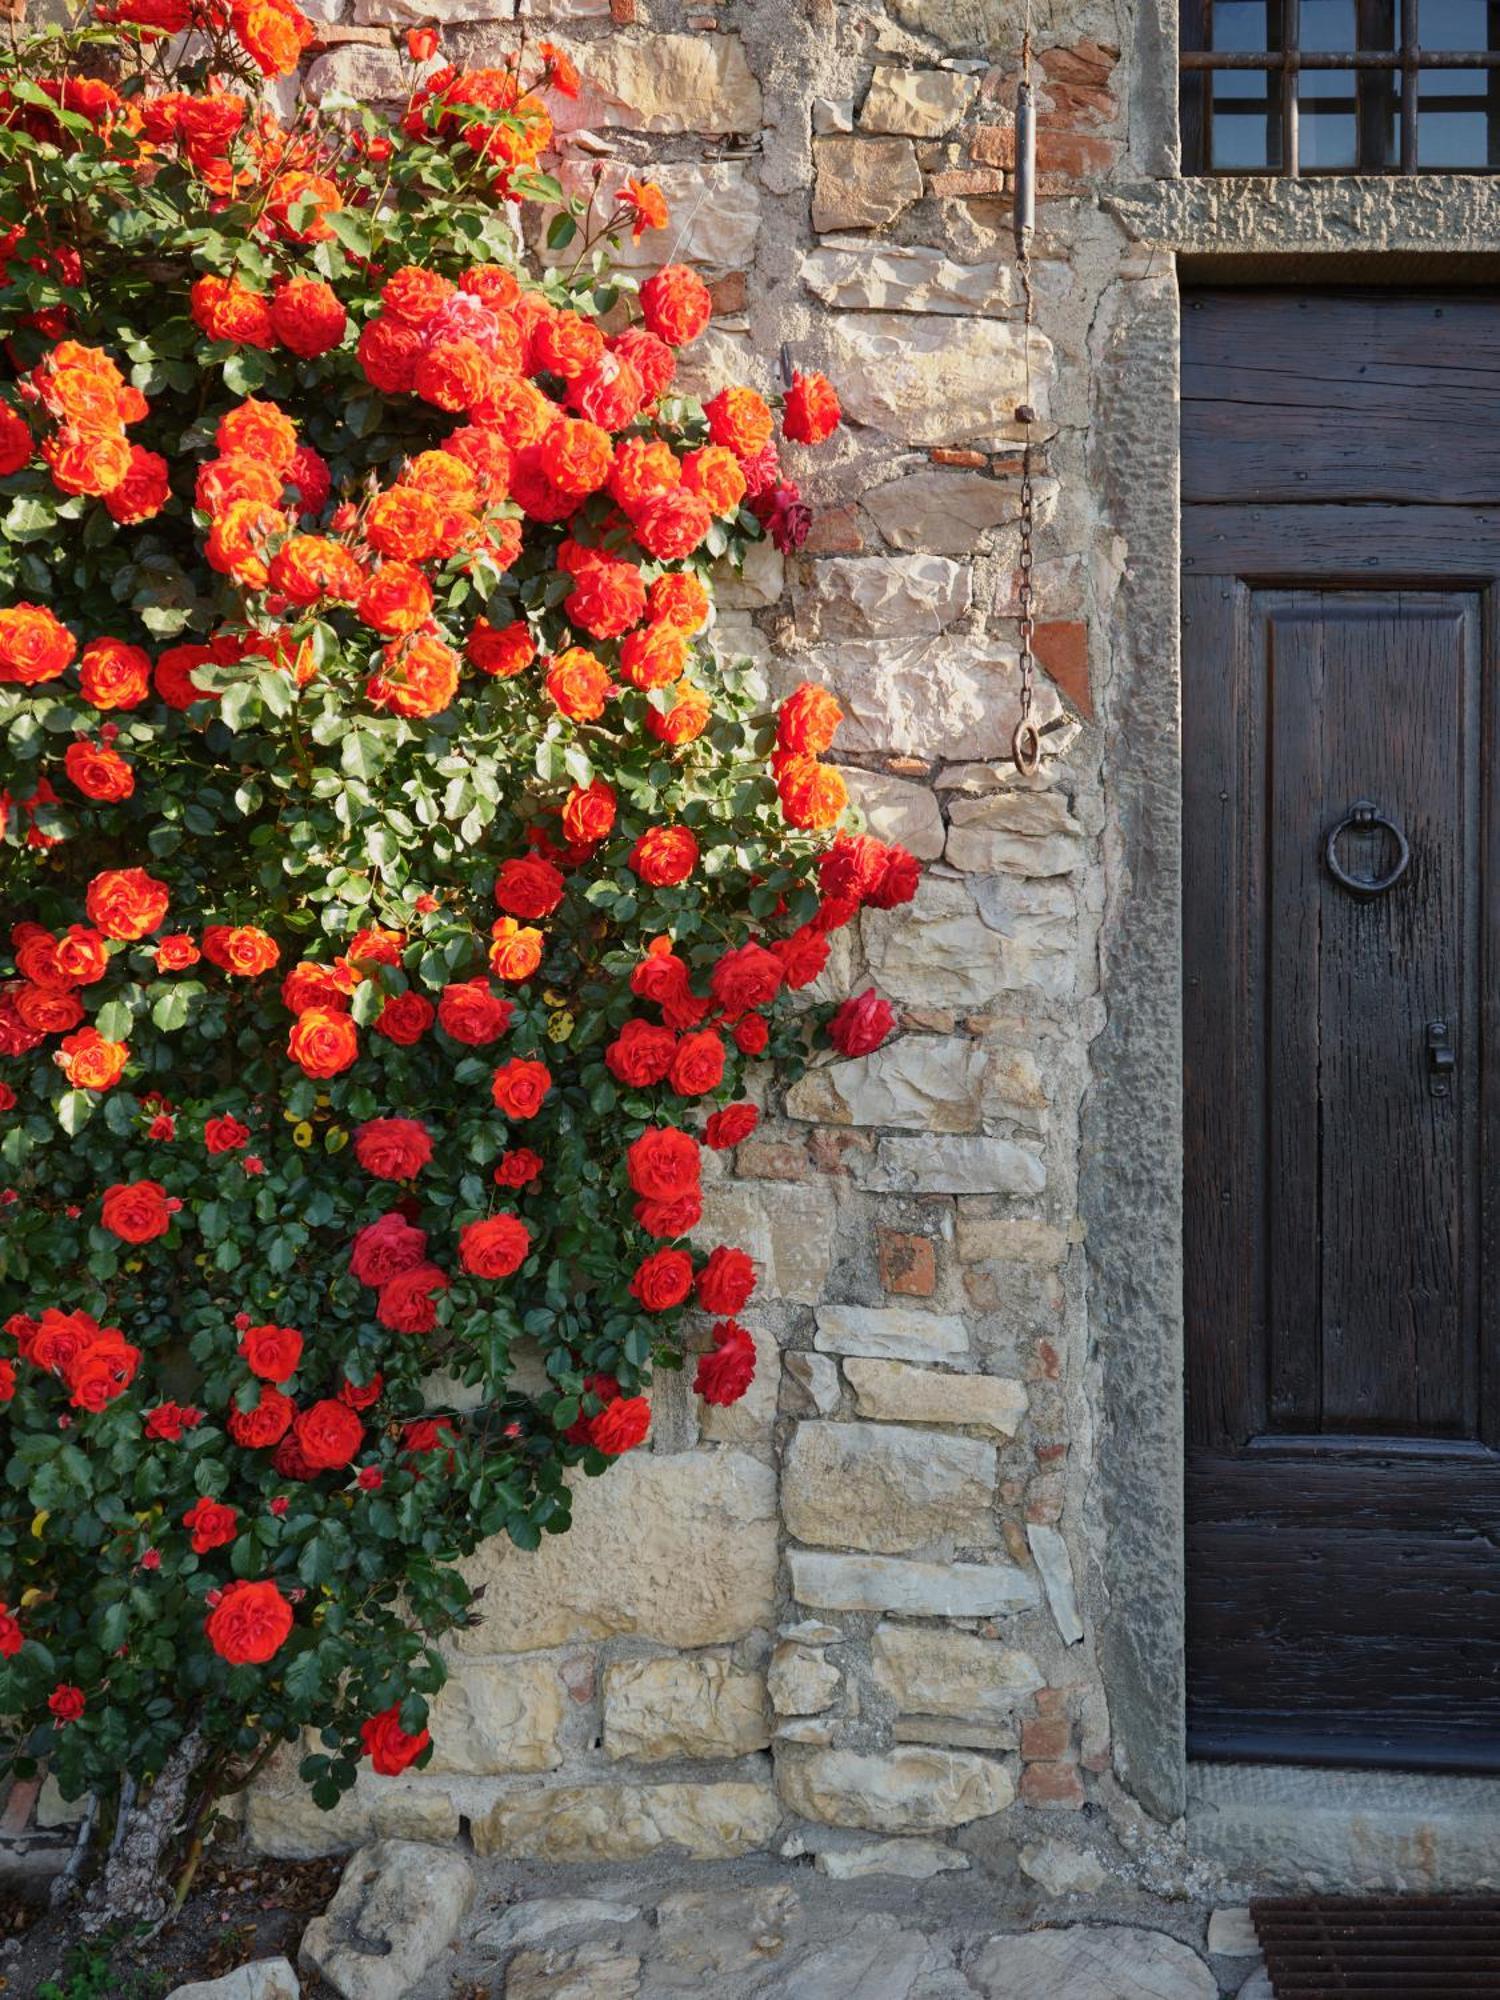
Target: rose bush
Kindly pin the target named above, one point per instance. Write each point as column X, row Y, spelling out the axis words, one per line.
column 400, row 889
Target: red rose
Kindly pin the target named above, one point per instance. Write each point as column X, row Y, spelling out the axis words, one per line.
column 66, row 1703
column 271, row 1352
column 588, row 813
column 103, row 1370
column 387, row 1744
column 803, row 955
column 663, row 1164
column 405, row 1018
column 728, row 1127
column 266, row 1424
column 620, row 1426
column 861, row 1024
column 12, row 1638
column 664, row 856
column 727, row 1370
column 697, row 1064
column 408, row 1302
column 518, row 1167
column 676, row 305
column 308, row 317
column 663, row 1280
column 360, row 1395
column 641, row 1054
column 249, row 1624
column 137, row 1211
column 473, row 1013
column 323, row 1043
column 494, row 1247
column 328, row 1435
column 746, row 978
column 168, row 1421
column 528, row 887
column 393, row 1149
column 678, row 1217
column 519, row 1086
column 751, row 1034
column 726, row 1281
column 385, row 1249
column 98, row 772
column 212, row 1524
column 126, row 903
column 811, row 411
column 661, row 975
column 242, row 949
column 225, row 1134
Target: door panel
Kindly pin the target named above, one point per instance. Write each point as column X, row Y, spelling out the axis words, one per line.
column 1343, row 1497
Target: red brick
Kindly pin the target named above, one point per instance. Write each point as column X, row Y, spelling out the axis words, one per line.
column 1072, row 155
column 1049, row 1454
column 1075, row 104
column 1046, row 1738
column 1051, row 1701
column 1049, row 1360
column 966, row 183
column 972, row 461
column 328, row 35
column 835, row 531
column 1055, row 1786
column 994, row 145
column 1084, row 62
column 771, row 1160
column 830, row 1149
column 1062, row 647
column 730, row 294
column 908, row 1264
column 622, row 13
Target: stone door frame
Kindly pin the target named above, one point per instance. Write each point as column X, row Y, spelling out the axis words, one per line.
column 1398, row 230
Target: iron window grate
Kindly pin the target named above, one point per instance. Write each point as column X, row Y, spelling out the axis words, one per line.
column 1345, row 86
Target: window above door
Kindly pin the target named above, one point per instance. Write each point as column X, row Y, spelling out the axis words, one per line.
column 1340, row 86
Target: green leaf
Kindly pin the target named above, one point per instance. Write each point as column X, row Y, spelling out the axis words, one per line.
column 74, row 1110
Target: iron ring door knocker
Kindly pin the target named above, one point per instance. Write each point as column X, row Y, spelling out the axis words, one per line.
column 1365, row 813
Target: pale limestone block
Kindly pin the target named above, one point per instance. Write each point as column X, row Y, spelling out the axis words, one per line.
column 1062, row 1870
column 281, row 1819
column 832, row 114
column 266, row 1979
column 545, row 1916
column 719, row 356
column 1003, row 1240
column 893, row 1390
column 937, row 950
column 881, row 597
column 905, row 814
column 923, row 102
column 1015, row 833
column 359, row 70
column 907, row 1790
column 758, row 584
column 926, row 1083
column 863, row 183
column 948, row 1735
column 865, row 276
column 684, row 1707
column 494, row 1716
column 1037, row 923
column 661, row 83
column 679, row 1549
column 715, row 212
column 709, row 1822
column 887, row 1489
column 578, row 1972
column 902, row 1333
column 1050, row 1554
column 915, row 1860
column 801, row 1680
column 709, row 1936
column 946, row 512
column 944, row 1165
column 397, row 1909
column 441, row 13
column 815, row 1380
column 914, row 1589
column 1089, row 1962
column 952, row 695
column 935, row 379
column 928, row 1671
column 1231, row 1934
column 786, row 1226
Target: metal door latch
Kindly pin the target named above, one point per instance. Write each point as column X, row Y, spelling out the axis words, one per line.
column 1442, row 1060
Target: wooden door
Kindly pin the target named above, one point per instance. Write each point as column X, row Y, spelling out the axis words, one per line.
column 1341, row 584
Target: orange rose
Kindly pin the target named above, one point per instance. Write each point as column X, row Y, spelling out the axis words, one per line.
column 446, row 477
column 418, row 677
column 675, row 305
column 296, row 190
column 664, row 856
column 715, row 473
column 308, row 317
column 674, row 525
column 126, row 903
column 84, row 460
column 48, row 1010
column 740, row 420
column 576, row 455
column 487, row 456
column 808, row 719
column 520, row 1086
column 500, row 651
column 678, row 598
column 221, row 481
column 307, row 567
column 323, row 1043
column 176, row 953
column 685, row 719
column 89, row 1062
column 588, row 813
column 237, row 543
column 396, row 600
column 413, row 294
column 813, row 795
column 81, row 956
column 579, row 684
column 143, row 492
column 388, row 352
column 34, row 645
column 407, row 523
column 654, row 656
column 327, row 986
column 98, row 772
column 272, row 32
column 454, row 374
column 811, row 412
column 260, row 431
column 644, row 469
column 515, row 952
column 225, row 309
column 112, row 674
column 242, row 949
column 249, row 1624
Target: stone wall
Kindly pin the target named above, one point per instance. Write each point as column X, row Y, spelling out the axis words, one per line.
column 862, row 1605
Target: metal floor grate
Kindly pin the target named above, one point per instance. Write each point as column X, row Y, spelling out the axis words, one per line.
column 1365, row 1948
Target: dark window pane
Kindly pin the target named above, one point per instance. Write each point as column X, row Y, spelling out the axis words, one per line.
column 1327, row 24
column 1327, row 124
column 1241, row 24
column 1245, row 126
column 1458, row 118
column 1456, row 24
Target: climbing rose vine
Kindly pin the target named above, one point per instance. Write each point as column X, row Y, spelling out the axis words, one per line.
column 402, row 894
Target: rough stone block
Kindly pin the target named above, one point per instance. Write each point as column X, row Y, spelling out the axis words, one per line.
column 881, row 597
column 908, row 1790
column 924, row 102
column 960, row 946
column 894, row 1391
column 680, row 1549
column 662, row 83
column 932, row 378
column 897, row 811
column 801, row 1680
column 887, row 1489
column 928, row 1671
column 946, row 512
column 952, row 1166
column 863, row 183
column 1091, row 1962
column 495, row 1716
column 266, row 1979
column 955, row 697
column 282, row 1820
column 900, row 1333
column 626, row 1822
column 1050, row 1554
column 1062, row 1870
column 788, row 1230
column 867, row 276
column 914, row 1589
column 547, row 1916
column 396, row 1911
column 915, row 1860
column 715, row 210
column 927, row 1083
column 577, row 1972
column 908, row 1264
column 1015, row 833
column 655, row 1709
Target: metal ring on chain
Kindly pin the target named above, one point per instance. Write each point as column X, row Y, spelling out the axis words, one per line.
column 1026, row 747
column 1365, row 813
